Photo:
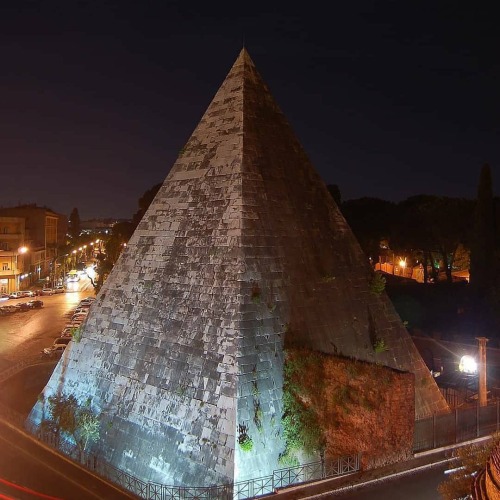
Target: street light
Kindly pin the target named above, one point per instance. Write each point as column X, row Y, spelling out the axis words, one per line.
column 20, row 251
column 467, row 365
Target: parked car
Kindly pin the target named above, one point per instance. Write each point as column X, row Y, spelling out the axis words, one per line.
column 47, row 291
column 16, row 295
column 68, row 331
column 35, row 304
column 4, row 296
column 78, row 319
column 62, row 340
column 9, row 310
column 85, row 305
column 23, row 306
column 59, row 289
column 28, row 293
column 54, row 350
column 74, row 323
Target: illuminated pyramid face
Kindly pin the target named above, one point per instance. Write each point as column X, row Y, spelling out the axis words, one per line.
column 242, row 249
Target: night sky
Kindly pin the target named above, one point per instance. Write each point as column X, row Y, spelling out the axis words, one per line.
column 389, row 99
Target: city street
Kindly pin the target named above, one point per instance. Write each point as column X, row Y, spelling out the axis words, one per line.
column 28, row 471
column 25, row 334
column 419, row 485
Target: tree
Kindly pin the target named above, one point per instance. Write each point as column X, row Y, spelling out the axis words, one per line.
column 76, row 420
column 88, row 428
column 482, row 263
column 62, row 413
column 144, row 202
column 472, row 458
column 335, row 192
column 75, row 226
column 104, row 267
column 437, row 226
column 371, row 221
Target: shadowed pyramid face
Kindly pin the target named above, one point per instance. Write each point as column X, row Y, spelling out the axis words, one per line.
column 242, row 250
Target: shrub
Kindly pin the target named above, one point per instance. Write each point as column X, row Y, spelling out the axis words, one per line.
column 244, row 440
column 379, row 345
column 301, row 430
column 377, row 283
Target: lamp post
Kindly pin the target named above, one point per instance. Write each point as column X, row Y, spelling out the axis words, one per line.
column 482, row 388
column 20, row 251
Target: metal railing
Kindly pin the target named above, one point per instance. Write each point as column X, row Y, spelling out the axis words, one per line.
column 250, row 488
column 463, row 424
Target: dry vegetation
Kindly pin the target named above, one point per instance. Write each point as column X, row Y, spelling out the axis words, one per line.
column 347, row 406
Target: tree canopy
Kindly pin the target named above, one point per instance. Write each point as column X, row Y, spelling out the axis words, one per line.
column 482, row 266
column 75, row 226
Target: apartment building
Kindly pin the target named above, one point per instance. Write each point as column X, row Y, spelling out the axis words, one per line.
column 29, row 238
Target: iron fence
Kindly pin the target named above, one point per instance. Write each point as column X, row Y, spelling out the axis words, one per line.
column 463, row 424
column 252, row 488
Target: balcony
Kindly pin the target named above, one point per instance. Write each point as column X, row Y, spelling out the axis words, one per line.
column 11, row 237
column 9, row 273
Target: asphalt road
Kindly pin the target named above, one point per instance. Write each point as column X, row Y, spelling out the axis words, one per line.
column 29, row 471
column 25, row 334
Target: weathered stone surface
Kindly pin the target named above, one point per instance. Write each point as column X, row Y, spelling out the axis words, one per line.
column 242, row 247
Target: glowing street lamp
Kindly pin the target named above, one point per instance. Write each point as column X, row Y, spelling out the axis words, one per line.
column 468, row 365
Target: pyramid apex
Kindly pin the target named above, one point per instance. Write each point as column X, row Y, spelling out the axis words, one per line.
column 244, row 58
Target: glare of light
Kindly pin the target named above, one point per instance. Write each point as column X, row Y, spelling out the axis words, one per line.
column 74, row 251
column 402, row 263
column 467, row 364
column 23, row 249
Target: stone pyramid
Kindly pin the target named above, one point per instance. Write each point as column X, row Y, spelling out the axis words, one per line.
column 242, row 249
